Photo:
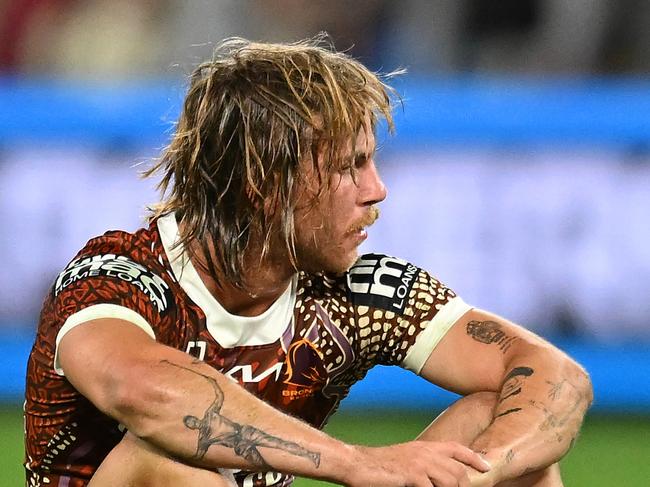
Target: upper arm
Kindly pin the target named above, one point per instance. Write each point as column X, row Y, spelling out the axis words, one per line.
column 106, row 309
column 102, row 357
column 474, row 354
column 119, row 368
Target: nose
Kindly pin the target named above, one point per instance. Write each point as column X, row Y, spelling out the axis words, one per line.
column 373, row 189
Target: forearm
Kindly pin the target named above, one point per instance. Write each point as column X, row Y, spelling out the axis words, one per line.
column 540, row 408
column 201, row 417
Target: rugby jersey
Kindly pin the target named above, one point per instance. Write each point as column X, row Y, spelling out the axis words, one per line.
column 302, row 355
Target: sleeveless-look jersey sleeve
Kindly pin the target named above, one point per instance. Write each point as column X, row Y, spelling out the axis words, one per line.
column 110, row 278
column 401, row 311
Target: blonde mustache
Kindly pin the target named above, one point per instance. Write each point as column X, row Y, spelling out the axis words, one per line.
column 367, row 220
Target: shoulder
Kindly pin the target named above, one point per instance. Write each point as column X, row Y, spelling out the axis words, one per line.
column 120, row 256
column 112, row 247
column 377, row 281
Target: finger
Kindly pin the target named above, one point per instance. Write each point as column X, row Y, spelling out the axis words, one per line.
column 471, row 458
column 440, row 478
column 462, row 475
column 423, row 481
column 452, row 472
column 463, row 480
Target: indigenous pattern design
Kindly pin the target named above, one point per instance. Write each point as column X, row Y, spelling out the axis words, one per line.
column 341, row 326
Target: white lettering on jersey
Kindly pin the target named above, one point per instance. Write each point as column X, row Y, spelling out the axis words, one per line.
column 120, row 267
column 245, row 373
column 379, row 280
column 198, row 344
column 388, row 266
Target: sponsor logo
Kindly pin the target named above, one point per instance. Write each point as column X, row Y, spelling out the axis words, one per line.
column 120, row 267
column 304, row 371
column 381, row 281
column 244, row 373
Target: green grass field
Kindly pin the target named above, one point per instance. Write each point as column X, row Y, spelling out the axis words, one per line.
column 611, row 451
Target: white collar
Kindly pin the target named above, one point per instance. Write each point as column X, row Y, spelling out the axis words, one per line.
column 227, row 329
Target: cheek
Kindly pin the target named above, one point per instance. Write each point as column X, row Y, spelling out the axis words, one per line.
column 342, row 202
column 335, row 219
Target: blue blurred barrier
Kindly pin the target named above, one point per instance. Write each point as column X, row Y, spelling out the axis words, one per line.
column 620, row 373
column 14, row 351
column 457, row 110
column 470, row 110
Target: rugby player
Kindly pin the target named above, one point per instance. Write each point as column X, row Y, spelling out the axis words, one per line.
column 210, row 347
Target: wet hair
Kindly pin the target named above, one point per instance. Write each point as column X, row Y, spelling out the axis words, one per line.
column 253, row 116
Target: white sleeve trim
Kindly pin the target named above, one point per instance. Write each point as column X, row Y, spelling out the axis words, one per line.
column 436, row 329
column 96, row 312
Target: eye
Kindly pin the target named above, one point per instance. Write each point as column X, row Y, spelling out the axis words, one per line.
column 353, row 164
column 360, row 160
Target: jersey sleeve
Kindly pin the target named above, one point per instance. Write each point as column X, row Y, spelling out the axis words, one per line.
column 401, row 311
column 109, row 280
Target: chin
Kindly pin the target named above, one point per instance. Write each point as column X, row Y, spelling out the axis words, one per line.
column 336, row 264
column 344, row 262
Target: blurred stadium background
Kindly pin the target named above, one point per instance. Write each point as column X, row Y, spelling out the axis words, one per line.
column 520, row 174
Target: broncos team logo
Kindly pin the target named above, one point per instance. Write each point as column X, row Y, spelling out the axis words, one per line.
column 304, row 370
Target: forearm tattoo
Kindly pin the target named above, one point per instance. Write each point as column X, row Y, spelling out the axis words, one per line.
column 511, row 387
column 489, row 332
column 513, row 382
column 562, row 405
column 557, row 420
column 245, row 440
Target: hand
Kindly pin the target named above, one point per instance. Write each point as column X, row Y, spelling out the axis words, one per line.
column 416, row 464
column 481, row 479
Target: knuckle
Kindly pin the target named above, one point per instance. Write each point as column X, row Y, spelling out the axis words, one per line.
column 452, row 445
column 458, row 470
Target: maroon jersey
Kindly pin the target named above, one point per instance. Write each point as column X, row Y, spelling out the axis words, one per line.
column 302, row 355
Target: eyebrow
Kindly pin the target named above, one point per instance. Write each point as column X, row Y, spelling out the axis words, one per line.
column 365, row 154
column 358, row 154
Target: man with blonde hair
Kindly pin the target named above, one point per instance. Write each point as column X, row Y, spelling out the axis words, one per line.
column 210, row 347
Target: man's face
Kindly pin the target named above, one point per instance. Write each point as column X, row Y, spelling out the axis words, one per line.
column 329, row 232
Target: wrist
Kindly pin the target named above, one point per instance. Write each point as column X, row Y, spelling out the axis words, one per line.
column 350, row 460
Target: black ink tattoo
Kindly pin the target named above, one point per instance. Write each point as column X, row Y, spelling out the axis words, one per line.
column 490, row 332
column 245, row 440
column 510, row 456
column 558, row 419
column 513, row 382
column 556, row 389
column 552, row 420
column 509, row 411
column 525, row 371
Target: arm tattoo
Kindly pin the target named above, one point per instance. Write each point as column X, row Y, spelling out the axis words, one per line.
column 244, row 439
column 559, row 419
column 512, row 386
column 489, row 332
column 509, row 411
column 556, row 389
column 513, row 382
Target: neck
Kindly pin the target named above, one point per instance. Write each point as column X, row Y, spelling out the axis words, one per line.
column 265, row 282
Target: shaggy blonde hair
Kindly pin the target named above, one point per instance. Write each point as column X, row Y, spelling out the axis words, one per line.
column 252, row 115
